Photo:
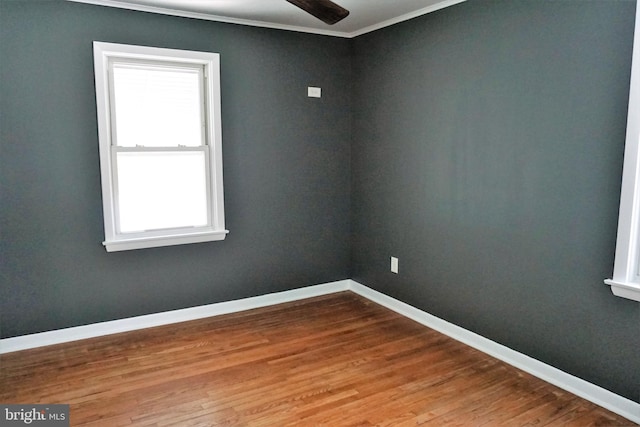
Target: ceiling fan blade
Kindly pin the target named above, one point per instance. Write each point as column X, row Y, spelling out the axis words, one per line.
column 325, row 10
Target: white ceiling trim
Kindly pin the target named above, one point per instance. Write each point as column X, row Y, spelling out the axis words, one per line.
column 209, row 17
column 406, row 17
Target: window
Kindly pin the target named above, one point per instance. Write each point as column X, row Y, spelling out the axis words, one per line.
column 160, row 146
column 626, row 271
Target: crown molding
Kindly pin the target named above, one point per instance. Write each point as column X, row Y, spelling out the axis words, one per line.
column 252, row 23
column 405, row 17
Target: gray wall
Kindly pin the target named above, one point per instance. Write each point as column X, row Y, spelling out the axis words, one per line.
column 286, row 169
column 487, row 156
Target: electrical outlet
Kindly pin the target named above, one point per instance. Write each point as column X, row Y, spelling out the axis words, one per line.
column 394, row 265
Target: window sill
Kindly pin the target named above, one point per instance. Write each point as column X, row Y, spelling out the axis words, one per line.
column 126, row 244
column 624, row 289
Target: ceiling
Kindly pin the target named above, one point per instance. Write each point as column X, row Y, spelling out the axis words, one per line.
column 365, row 16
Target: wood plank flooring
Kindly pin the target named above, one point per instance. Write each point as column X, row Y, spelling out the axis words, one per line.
column 336, row 360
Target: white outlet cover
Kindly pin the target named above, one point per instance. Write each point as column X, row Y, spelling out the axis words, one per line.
column 314, row 92
column 394, row 265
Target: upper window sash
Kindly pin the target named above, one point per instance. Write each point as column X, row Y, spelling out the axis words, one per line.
column 139, row 90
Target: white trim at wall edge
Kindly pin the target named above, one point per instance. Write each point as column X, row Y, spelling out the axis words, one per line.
column 128, row 5
column 59, row 336
column 591, row 392
column 598, row 395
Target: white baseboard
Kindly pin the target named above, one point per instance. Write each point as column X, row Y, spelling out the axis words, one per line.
column 598, row 395
column 59, row 336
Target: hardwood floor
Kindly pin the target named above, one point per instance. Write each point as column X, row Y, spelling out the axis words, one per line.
column 336, row 360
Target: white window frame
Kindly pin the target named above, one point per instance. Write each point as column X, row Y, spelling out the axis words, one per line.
column 626, row 271
column 214, row 230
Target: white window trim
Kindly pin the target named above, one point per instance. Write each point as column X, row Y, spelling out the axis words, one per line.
column 626, row 271
column 215, row 230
